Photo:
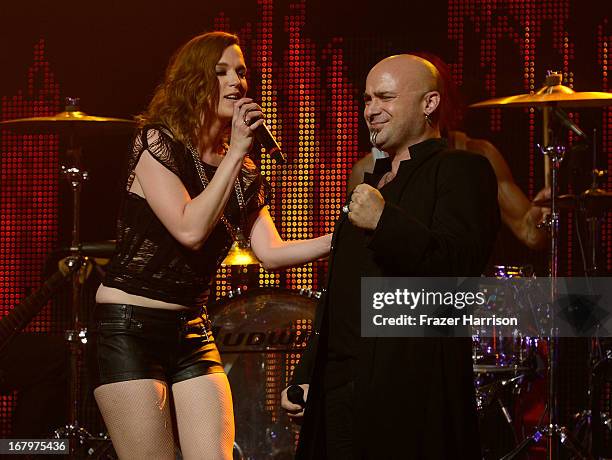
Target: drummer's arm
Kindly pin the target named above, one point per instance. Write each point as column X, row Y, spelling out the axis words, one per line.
column 275, row 253
column 518, row 213
column 365, row 164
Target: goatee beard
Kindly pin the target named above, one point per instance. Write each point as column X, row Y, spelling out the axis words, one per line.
column 373, row 134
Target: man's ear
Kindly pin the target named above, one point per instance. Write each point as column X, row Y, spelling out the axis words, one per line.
column 432, row 100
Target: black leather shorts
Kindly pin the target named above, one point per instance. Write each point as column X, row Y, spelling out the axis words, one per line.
column 132, row 342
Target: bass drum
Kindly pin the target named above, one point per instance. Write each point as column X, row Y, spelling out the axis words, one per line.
column 261, row 334
column 502, row 349
column 509, row 365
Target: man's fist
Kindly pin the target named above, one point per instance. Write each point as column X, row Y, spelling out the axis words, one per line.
column 366, row 207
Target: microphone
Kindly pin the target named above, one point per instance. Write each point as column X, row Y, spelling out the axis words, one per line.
column 267, row 141
column 569, row 124
column 102, row 249
column 295, row 394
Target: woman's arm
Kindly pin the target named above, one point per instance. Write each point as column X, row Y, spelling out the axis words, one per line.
column 190, row 221
column 274, row 252
column 365, row 164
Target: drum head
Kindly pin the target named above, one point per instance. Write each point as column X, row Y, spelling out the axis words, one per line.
column 263, row 320
column 260, row 335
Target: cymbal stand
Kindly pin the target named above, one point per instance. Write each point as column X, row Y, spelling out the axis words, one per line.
column 556, row 154
column 594, row 216
column 596, row 420
column 555, row 434
column 77, row 336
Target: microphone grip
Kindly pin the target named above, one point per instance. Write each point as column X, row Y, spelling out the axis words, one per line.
column 267, row 141
column 295, row 394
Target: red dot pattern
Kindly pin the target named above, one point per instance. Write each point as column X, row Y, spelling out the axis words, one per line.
column 521, row 22
column 604, row 42
column 312, row 110
column 28, row 199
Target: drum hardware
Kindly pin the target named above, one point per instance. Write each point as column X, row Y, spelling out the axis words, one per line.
column 593, row 200
column 554, row 433
column 550, row 98
column 498, row 349
column 492, row 392
column 77, row 336
column 593, row 425
column 582, row 429
column 595, row 214
column 598, row 419
column 596, row 422
column 73, row 125
column 512, row 271
column 549, row 431
column 498, row 391
column 553, row 95
column 495, row 369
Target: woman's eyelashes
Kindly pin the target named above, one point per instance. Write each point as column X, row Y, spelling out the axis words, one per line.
column 241, row 73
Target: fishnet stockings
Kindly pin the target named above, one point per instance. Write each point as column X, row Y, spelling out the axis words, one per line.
column 137, row 415
column 205, row 417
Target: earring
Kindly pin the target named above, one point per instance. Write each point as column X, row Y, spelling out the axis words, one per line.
column 428, row 119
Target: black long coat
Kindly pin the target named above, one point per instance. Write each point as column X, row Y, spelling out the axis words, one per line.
column 414, row 398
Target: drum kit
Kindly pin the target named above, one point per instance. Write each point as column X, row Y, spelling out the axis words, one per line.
column 514, row 364
column 261, row 332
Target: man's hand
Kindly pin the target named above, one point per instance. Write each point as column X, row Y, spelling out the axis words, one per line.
column 536, row 215
column 533, row 226
column 295, row 412
column 366, row 207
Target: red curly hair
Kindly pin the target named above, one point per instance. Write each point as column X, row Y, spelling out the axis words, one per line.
column 187, row 99
column 450, row 111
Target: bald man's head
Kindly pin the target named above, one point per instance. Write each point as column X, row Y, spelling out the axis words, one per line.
column 401, row 96
column 414, row 72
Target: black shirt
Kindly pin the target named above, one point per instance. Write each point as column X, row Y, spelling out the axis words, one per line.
column 439, row 220
column 148, row 260
column 354, row 257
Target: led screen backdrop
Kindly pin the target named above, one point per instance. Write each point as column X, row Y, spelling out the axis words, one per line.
column 307, row 65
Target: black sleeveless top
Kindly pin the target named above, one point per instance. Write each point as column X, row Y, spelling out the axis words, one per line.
column 148, row 260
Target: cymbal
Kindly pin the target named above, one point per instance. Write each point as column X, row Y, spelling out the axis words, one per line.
column 594, row 199
column 558, row 95
column 567, row 201
column 69, row 122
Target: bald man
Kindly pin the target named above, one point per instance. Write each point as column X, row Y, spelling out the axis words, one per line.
column 425, row 211
column 521, row 216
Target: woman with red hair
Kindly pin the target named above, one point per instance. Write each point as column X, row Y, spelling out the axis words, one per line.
column 191, row 192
